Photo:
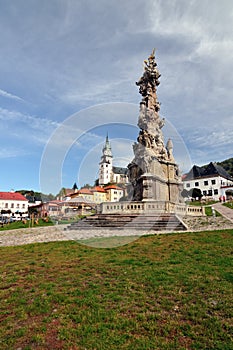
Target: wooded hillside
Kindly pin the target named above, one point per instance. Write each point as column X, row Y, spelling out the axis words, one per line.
column 227, row 165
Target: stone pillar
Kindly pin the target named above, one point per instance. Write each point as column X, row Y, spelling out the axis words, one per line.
column 148, row 188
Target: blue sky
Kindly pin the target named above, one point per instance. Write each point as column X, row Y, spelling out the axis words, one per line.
column 67, row 77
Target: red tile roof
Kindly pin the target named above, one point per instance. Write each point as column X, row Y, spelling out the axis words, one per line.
column 112, row 187
column 68, row 191
column 98, row 189
column 12, row 196
column 84, row 191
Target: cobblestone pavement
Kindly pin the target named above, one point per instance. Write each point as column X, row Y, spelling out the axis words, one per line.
column 57, row 233
column 32, row 235
column 224, row 211
column 207, row 223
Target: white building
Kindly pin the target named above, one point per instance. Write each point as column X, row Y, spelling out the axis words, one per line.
column 114, row 193
column 210, row 179
column 12, row 203
column 107, row 172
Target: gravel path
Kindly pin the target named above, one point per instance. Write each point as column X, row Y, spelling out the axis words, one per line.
column 57, row 233
column 32, row 235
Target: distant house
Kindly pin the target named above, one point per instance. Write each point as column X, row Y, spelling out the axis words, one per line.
column 119, row 175
column 50, row 208
column 13, row 203
column 86, row 193
column 77, row 205
column 99, row 194
column 210, row 179
column 114, row 193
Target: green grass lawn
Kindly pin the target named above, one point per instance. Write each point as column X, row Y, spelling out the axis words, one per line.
column 229, row 204
column 19, row 224
column 208, row 212
column 170, row 291
column 199, row 203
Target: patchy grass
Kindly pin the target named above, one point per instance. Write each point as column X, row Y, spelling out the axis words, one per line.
column 208, row 212
column 229, row 204
column 70, row 220
column 19, row 224
column 170, row 291
column 201, row 203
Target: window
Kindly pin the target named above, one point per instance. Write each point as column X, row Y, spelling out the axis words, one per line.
column 187, row 185
column 23, row 206
column 206, row 183
column 6, row 205
column 204, row 193
column 216, row 191
column 17, row 205
column 196, row 184
column 12, row 205
column 213, row 182
column 210, row 192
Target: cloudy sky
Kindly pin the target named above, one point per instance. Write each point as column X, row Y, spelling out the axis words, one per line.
column 67, row 77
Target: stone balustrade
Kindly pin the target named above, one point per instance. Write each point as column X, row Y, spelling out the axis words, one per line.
column 150, row 207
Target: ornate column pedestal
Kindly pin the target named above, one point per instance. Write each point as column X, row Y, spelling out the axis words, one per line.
column 147, row 187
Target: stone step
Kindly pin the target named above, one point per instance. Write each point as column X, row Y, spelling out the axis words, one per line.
column 164, row 222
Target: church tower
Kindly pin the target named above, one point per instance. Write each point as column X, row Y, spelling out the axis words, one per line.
column 105, row 165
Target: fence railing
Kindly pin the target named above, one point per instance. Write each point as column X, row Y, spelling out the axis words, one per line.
column 150, row 207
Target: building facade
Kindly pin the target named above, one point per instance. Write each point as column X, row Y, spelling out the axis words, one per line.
column 114, row 193
column 86, row 193
column 13, row 203
column 99, row 194
column 210, row 179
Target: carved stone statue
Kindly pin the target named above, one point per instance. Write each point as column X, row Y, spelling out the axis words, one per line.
column 152, row 160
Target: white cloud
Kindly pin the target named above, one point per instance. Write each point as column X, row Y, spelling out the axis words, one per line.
column 10, row 152
column 32, row 122
column 9, row 95
column 68, row 55
column 25, row 128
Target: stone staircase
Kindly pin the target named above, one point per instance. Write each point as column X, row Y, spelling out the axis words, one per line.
column 164, row 222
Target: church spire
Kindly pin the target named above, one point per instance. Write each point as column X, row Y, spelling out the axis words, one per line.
column 107, row 151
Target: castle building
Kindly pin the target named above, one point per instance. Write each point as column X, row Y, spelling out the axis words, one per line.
column 107, row 172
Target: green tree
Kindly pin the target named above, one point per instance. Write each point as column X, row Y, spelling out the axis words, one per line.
column 61, row 193
column 195, row 193
column 86, row 186
column 75, row 187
